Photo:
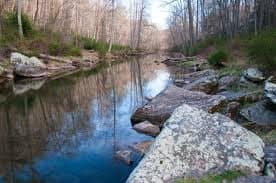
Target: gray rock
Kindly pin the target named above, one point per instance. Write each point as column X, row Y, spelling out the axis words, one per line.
column 28, row 67
column 242, row 97
column 255, row 179
column 29, row 71
column 142, row 147
column 232, row 110
column 192, row 77
column 18, row 58
column 124, row 156
column 147, row 128
column 270, row 154
column 162, row 106
column 261, row 113
column 253, row 74
column 195, row 143
column 270, row 89
column 227, row 81
column 208, row 84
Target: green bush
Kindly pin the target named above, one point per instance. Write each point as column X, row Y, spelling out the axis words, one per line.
column 54, row 48
column 217, row 58
column 89, row 44
column 262, row 49
column 74, row 51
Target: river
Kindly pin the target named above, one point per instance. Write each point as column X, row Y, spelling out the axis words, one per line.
column 68, row 130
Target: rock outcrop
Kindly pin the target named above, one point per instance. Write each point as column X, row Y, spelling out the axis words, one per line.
column 162, row 106
column 195, row 143
column 270, row 89
column 28, row 67
column 254, row 75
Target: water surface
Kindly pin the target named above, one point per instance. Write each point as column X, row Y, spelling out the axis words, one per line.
column 67, row 130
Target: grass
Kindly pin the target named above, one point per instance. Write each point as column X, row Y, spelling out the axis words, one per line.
column 186, row 64
column 221, row 178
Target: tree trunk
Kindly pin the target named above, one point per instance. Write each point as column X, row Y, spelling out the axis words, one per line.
column 191, row 22
column 112, row 27
column 19, row 18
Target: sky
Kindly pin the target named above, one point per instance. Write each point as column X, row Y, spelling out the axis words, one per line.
column 159, row 13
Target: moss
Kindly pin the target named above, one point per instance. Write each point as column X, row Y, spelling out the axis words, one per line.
column 226, row 176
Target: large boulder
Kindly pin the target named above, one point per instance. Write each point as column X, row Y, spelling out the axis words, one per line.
column 194, row 143
column 29, row 71
column 262, row 113
column 270, row 89
column 254, row 75
column 162, row 106
column 28, row 67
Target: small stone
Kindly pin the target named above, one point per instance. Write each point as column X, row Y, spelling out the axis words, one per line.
column 270, row 89
column 253, row 74
column 147, row 128
column 142, row 147
column 124, row 156
column 270, row 170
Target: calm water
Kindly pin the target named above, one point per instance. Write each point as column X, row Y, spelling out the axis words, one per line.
column 67, row 130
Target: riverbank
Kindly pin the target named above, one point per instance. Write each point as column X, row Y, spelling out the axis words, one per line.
column 245, row 99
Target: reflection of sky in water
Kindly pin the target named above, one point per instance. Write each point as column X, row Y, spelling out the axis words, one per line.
column 91, row 159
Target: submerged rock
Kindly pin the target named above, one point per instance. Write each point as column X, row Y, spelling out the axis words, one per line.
column 195, row 143
column 253, row 74
column 142, row 147
column 270, row 89
column 162, row 106
column 261, row 113
column 147, row 128
column 255, row 179
column 124, row 156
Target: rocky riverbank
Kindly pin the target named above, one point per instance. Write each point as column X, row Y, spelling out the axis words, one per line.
column 194, row 142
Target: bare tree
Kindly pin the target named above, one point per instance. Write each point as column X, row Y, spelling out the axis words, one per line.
column 19, row 18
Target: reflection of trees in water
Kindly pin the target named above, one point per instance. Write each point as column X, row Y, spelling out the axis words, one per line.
column 57, row 117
